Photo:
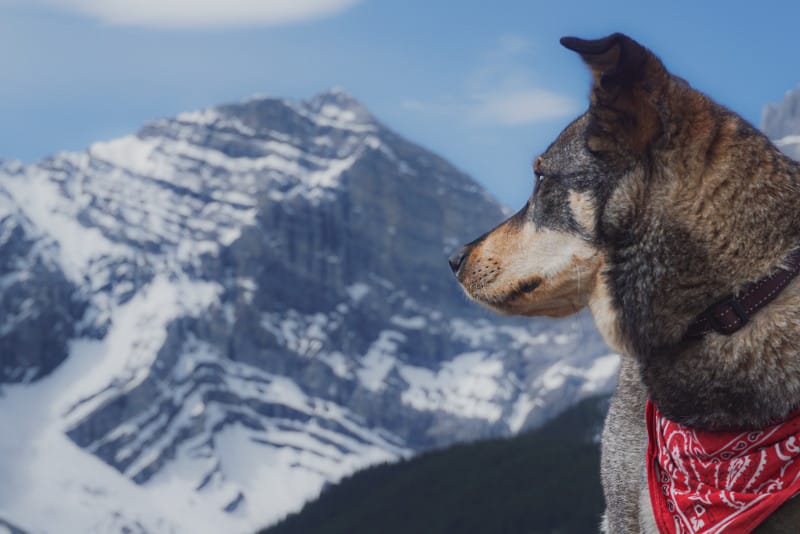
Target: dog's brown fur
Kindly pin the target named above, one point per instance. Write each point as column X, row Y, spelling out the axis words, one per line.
column 652, row 206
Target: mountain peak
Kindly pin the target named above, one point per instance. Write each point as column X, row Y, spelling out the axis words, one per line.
column 336, row 96
column 339, row 105
column 333, row 108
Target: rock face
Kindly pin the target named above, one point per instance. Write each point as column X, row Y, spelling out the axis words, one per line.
column 781, row 123
column 38, row 305
column 255, row 301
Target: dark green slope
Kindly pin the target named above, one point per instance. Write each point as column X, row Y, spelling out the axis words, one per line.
column 545, row 481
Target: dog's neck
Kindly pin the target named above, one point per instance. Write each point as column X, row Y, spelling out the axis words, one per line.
column 744, row 381
column 701, row 238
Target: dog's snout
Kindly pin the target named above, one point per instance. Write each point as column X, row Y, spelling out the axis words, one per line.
column 456, row 259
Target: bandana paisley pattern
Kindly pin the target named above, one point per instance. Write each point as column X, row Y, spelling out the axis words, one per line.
column 719, row 482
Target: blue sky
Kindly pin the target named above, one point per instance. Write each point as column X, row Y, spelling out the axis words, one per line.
column 485, row 84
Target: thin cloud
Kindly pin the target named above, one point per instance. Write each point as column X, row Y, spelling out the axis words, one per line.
column 515, row 107
column 202, row 13
column 512, row 44
column 501, row 91
column 415, row 105
column 522, row 106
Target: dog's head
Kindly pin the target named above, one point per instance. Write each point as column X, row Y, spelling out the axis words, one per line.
column 592, row 188
column 543, row 260
column 546, row 258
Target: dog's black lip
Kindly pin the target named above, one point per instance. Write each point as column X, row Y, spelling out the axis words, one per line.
column 524, row 288
column 530, row 285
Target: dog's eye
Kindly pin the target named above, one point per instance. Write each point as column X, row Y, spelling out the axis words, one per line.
column 538, row 179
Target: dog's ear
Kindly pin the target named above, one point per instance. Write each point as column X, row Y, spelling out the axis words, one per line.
column 627, row 81
column 614, row 60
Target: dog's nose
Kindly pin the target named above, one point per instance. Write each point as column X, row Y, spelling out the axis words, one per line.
column 457, row 258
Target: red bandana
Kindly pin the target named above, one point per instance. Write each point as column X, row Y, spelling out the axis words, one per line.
column 715, row 482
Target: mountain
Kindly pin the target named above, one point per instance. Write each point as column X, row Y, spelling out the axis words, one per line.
column 207, row 322
column 543, row 481
column 781, row 123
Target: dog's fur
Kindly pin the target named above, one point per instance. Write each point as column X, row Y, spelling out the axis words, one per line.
column 648, row 208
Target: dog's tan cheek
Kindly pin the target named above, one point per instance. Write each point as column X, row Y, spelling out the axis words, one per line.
column 566, row 292
column 605, row 316
column 583, row 210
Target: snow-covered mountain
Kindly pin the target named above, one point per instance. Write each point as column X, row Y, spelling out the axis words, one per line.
column 206, row 322
column 781, row 123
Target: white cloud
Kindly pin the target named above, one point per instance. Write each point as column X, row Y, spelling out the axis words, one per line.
column 202, row 13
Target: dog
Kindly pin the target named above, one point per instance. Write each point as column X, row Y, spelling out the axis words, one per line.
column 663, row 213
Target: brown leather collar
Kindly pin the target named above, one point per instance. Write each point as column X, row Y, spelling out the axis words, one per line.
column 732, row 313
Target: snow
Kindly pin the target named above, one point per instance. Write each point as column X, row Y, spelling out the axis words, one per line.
column 130, row 153
column 357, row 291
column 284, row 464
column 470, row 385
column 329, row 176
column 203, row 117
column 522, row 408
column 787, row 140
column 138, row 331
column 303, row 334
column 411, row 323
column 284, row 476
column 595, row 379
column 51, row 485
column 601, row 376
column 561, row 339
column 41, row 201
column 475, row 333
column 273, row 479
column 338, row 363
column 380, row 359
column 338, row 114
column 335, row 117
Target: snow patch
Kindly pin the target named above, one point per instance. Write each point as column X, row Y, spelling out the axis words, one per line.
column 602, row 375
column 787, row 140
column 380, row 359
column 522, row 408
column 470, row 385
column 123, row 358
column 78, row 246
column 357, row 291
column 411, row 323
column 595, row 379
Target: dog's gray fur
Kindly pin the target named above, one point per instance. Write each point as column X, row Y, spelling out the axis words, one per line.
column 624, row 440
